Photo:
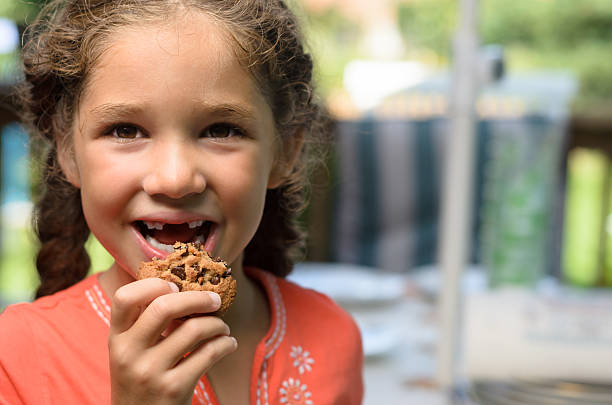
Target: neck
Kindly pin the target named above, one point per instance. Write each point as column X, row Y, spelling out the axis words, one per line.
column 113, row 278
column 250, row 307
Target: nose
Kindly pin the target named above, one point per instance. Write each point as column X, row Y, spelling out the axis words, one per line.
column 175, row 171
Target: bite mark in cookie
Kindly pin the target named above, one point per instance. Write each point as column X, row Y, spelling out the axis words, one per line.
column 192, row 269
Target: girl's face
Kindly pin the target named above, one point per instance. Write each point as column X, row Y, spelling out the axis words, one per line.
column 172, row 141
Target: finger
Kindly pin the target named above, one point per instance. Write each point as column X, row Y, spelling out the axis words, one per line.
column 164, row 309
column 173, row 325
column 131, row 299
column 199, row 361
column 188, row 337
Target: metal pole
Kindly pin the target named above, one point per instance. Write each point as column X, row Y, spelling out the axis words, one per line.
column 457, row 190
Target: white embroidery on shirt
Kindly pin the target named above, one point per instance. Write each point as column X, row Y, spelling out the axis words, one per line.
column 101, row 297
column 95, row 307
column 280, row 314
column 280, row 328
column 198, row 396
column 301, row 359
column 203, row 390
column 293, row 392
column 264, row 376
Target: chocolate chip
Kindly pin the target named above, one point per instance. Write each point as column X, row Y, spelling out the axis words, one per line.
column 200, row 276
column 196, row 267
column 215, row 280
column 185, row 253
column 179, row 271
column 227, row 273
column 179, row 285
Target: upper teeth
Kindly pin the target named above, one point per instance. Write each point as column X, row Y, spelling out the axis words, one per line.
column 195, row 224
column 160, row 225
column 154, row 225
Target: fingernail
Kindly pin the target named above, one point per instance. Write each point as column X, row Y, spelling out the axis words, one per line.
column 216, row 299
column 173, row 287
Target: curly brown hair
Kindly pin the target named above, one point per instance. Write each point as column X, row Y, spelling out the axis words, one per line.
column 62, row 46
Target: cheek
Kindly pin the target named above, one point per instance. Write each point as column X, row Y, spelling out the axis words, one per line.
column 244, row 189
column 245, row 192
column 105, row 186
column 102, row 200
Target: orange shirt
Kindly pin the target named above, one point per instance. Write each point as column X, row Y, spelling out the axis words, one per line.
column 54, row 350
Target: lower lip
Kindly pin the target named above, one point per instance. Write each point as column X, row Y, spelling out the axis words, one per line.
column 147, row 249
column 211, row 240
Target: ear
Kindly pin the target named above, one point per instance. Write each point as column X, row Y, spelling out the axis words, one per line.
column 290, row 152
column 67, row 162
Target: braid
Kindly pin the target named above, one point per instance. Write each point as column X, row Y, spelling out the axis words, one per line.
column 61, row 228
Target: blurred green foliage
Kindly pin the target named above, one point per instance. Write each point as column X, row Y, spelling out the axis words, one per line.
column 585, row 187
column 536, row 34
column 547, row 23
column 18, row 276
column 428, row 24
column 21, row 11
column 332, row 39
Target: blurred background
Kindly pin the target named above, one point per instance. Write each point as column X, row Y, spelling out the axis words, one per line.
column 540, row 217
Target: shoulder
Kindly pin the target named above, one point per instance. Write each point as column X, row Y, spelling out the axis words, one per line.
column 47, row 307
column 321, row 346
column 15, row 325
column 308, row 302
column 299, row 301
column 308, row 313
column 52, row 333
column 18, row 351
column 311, row 314
column 47, row 315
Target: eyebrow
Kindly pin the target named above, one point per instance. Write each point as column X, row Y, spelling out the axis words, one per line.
column 230, row 111
column 222, row 110
column 110, row 110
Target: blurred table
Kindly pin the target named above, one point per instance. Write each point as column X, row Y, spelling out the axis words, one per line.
column 405, row 375
column 548, row 334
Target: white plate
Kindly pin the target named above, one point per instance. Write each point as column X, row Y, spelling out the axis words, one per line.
column 429, row 279
column 350, row 284
column 378, row 340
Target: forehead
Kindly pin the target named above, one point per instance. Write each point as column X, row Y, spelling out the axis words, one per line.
column 189, row 49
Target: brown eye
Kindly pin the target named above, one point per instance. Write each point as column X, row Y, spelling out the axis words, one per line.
column 125, row 131
column 222, row 131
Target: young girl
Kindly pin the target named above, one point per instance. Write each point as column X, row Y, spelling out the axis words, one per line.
column 172, row 120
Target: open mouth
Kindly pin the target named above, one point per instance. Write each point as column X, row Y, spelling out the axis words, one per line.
column 163, row 236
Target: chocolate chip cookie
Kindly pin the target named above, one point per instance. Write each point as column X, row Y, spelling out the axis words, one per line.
column 192, row 268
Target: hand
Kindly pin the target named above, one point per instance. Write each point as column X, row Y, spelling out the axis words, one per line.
column 148, row 346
